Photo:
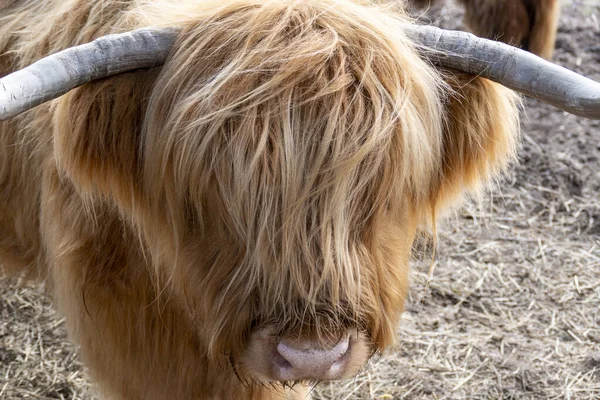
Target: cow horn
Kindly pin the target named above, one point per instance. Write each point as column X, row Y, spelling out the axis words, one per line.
column 58, row 73
column 109, row 55
column 514, row 68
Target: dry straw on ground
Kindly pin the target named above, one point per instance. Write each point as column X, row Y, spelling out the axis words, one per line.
column 513, row 308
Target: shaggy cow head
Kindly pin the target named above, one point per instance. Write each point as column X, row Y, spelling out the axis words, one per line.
column 277, row 169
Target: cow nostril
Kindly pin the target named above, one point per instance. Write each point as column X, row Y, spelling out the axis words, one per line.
column 280, row 362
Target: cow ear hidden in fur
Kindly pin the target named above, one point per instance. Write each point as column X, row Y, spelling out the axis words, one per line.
column 480, row 137
column 97, row 130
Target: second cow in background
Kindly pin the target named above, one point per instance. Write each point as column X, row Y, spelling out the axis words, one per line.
column 528, row 24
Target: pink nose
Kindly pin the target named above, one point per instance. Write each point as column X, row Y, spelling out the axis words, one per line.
column 308, row 359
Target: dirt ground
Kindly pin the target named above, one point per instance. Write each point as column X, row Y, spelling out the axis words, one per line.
column 512, row 311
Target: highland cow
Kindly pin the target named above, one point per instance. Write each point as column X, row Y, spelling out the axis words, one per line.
column 238, row 221
column 528, row 24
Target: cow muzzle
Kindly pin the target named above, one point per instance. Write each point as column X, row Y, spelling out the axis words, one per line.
column 308, row 359
column 272, row 358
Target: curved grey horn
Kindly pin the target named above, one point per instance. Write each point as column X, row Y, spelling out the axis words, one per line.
column 58, row 73
column 514, row 68
column 114, row 54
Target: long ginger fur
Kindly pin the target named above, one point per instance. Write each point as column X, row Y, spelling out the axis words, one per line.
column 274, row 172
